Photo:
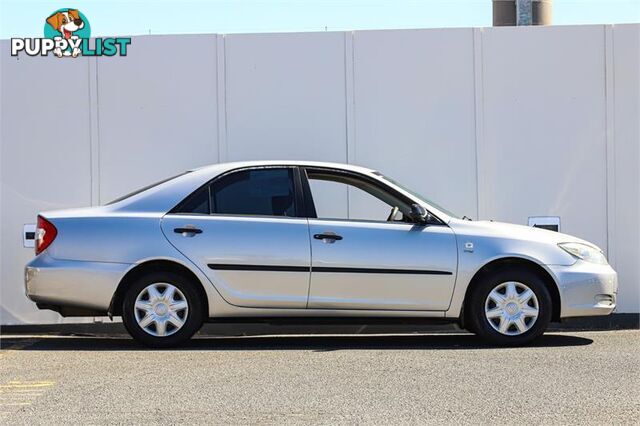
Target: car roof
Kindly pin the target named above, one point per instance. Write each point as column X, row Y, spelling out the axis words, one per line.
column 303, row 163
column 165, row 195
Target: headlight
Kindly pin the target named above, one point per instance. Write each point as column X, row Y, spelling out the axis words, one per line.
column 584, row 252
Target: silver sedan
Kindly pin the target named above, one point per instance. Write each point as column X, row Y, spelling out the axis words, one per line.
column 287, row 241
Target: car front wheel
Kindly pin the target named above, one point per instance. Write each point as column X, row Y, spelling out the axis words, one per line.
column 510, row 307
column 162, row 310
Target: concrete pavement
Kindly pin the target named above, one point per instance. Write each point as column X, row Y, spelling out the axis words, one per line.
column 569, row 377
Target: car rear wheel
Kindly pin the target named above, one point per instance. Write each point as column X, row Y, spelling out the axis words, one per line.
column 510, row 307
column 162, row 309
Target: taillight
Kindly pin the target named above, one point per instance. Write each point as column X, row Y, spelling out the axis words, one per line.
column 45, row 234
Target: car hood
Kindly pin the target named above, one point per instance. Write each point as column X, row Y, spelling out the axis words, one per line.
column 512, row 231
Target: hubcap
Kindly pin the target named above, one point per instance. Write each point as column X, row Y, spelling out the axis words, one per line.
column 161, row 309
column 511, row 308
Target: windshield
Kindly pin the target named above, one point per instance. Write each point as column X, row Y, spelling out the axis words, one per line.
column 418, row 196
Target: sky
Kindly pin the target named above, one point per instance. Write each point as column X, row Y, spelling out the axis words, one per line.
column 21, row 18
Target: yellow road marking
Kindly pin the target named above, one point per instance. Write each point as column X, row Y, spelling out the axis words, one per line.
column 20, row 396
column 16, row 393
column 19, row 392
column 26, row 385
column 13, row 390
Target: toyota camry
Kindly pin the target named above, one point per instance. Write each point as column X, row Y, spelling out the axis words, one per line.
column 286, row 242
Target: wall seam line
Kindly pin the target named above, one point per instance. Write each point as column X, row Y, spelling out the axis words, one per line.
column 349, row 106
column 91, row 123
column 94, row 131
column 609, row 111
column 221, row 87
column 478, row 113
column 225, row 98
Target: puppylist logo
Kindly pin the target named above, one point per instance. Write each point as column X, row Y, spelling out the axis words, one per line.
column 67, row 35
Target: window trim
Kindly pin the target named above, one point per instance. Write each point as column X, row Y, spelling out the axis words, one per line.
column 303, row 199
column 311, row 210
column 298, row 200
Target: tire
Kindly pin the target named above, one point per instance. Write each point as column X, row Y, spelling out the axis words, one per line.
column 154, row 307
column 510, row 321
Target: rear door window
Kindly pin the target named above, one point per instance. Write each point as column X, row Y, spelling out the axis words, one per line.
column 258, row 192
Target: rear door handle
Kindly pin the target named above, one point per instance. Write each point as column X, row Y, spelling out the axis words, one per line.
column 327, row 236
column 187, row 230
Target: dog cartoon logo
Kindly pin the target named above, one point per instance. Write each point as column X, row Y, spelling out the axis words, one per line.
column 67, row 34
column 70, row 25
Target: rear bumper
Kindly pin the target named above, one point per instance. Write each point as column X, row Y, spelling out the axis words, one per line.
column 586, row 289
column 64, row 284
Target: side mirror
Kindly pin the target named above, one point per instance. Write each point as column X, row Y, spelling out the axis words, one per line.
column 418, row 213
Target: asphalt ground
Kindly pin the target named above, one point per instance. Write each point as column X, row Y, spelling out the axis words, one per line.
column 451, row 378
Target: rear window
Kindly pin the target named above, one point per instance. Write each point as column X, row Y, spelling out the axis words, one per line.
column 141, row 190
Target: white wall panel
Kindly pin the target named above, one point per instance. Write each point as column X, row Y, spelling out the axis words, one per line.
column 625, row 232
column 545, row 117
column 45, row 160
column 544, row 147
column 414, row 114
column 157, row 111
column 285, row 96
column 285, row 99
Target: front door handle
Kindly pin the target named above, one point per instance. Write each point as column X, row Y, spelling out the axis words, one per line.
column 327, row 237
column 188, row 231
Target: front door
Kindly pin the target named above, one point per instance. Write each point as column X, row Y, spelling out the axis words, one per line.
column 244, row 232
column 368, row 258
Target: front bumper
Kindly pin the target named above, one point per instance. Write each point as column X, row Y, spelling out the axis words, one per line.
column 58, row 284
column 586, row 289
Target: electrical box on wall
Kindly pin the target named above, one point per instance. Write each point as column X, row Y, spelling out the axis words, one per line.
column 551, row 223
column 28, row 235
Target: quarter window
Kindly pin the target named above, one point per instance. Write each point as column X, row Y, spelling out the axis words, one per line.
column 198, row 203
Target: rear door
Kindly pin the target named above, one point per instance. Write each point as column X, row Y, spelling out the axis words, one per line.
column 246, row 233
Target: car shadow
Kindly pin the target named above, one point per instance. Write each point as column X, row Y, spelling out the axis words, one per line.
column 316, row 343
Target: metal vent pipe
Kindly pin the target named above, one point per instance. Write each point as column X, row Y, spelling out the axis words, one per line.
column 522, row 12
